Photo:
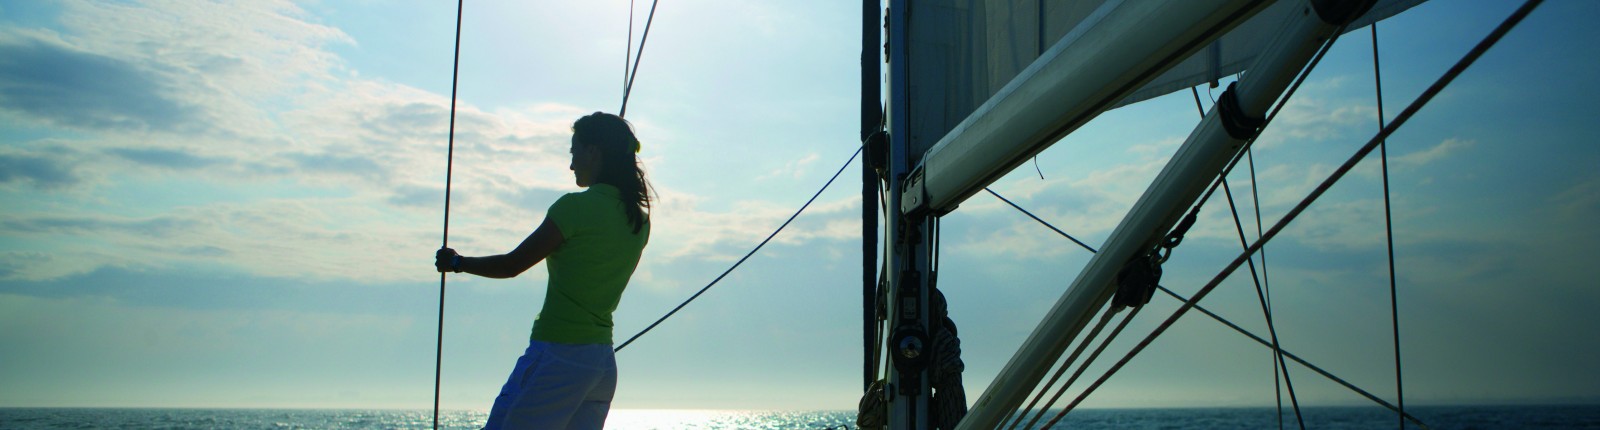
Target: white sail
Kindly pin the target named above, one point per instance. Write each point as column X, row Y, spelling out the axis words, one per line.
column 964, row 51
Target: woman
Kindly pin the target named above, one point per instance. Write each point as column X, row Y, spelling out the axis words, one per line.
column 592, row 240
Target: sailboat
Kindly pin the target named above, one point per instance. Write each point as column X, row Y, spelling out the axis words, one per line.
column 975, row 89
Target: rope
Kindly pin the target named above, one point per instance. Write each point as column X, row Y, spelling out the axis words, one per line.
column 628, row 88
column 449, row 165
column 949, row 400
column 1405, row 115
column 746, row 256
column 1388, row 228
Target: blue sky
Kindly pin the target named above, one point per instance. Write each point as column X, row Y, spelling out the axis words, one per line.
column 236, row 206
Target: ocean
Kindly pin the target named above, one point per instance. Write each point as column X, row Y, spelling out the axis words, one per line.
column 1436, row 417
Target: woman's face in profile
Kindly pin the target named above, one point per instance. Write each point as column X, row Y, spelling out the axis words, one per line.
column 585, row 163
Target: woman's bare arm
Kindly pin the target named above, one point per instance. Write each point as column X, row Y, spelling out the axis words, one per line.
column 533, row 249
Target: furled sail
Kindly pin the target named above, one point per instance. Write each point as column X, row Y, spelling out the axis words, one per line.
column 961, row 52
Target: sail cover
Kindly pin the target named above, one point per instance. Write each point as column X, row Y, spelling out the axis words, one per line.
column 961, row 52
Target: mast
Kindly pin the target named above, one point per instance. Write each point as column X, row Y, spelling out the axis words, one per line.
column 871, row 123
column 909, row 235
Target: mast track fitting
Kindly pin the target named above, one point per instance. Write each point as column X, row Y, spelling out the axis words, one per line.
column 877, row 149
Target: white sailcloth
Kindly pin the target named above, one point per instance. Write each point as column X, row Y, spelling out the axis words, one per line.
column 964, row 51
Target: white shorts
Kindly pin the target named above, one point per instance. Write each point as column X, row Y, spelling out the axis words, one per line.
column 557, row 386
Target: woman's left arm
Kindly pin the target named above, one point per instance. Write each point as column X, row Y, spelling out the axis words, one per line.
column 534, row 249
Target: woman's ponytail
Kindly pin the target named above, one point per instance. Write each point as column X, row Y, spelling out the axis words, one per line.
column 619, row 163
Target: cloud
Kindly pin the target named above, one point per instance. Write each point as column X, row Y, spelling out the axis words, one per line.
column 337, row 165
column 1445, row 149
column 157, row 227
column 277, row 106
column 389, row 137
column 162, row 66
column 1579, row 202
column 192, row 288
column 248, row 98
column 1086, row 205
column 328, row 238
column 166, row 158
column 724, row 236
column 51, row 81
column 793, row 169
column 218, row 50
column 1320, row 111
column 416, row 197
column 43, row 171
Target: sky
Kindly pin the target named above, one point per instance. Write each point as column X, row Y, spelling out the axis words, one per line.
column 236, row 205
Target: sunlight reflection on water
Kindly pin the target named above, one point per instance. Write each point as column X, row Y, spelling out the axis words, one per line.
column 662, row 419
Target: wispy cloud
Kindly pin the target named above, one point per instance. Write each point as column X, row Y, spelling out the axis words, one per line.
column 1445, row 149
column 260, row 237
column 793, row 169
column 46, row 79
column 1320, row 112
column 1579, row 202
column 47, row 170
column 242, row 96
column 166, row 158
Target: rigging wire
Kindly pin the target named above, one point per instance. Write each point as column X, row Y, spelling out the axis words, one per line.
column 628, row 88
column 1305, row 73
column 1280, row 371
column 627, row 54
column 1405, row 115
column 1266, row 310
column 1266, row 277
column 1247, row 151
column 1221, row 177
column 1259, row 340
column 1388, row 228
column 1036, row 218
column 1295, row 358
column 747, row 255
column 438, row 352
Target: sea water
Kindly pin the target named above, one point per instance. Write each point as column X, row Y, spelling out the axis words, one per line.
column 1437, row 417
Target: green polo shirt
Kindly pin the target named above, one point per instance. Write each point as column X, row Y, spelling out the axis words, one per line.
column 588, row 272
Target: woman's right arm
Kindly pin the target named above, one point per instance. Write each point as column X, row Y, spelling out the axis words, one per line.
column 533, row 249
